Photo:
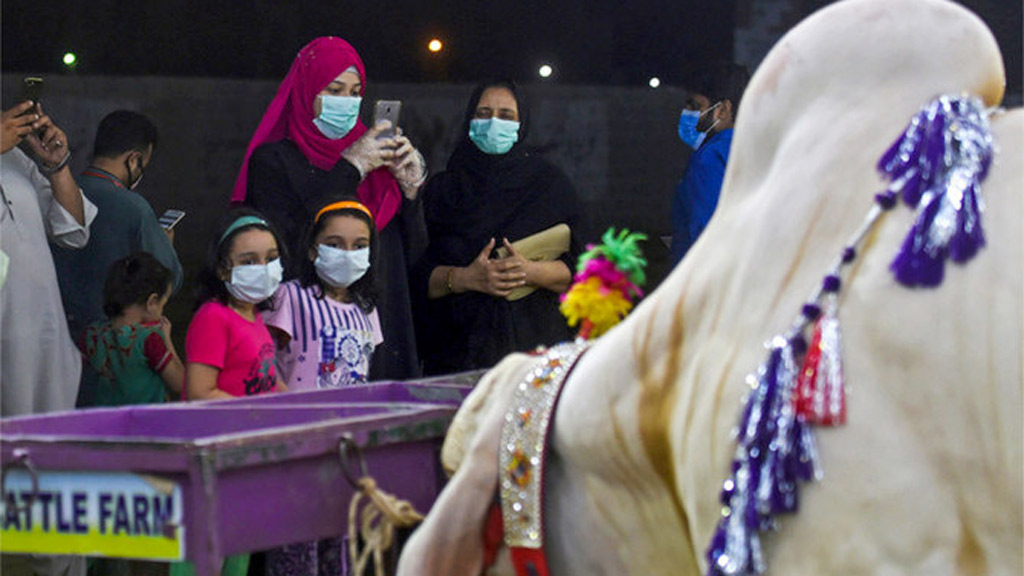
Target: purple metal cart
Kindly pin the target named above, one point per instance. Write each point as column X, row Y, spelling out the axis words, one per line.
column 205, row 480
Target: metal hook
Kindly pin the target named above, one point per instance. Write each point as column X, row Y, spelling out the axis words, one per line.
column 346, row 443
column 21, row 457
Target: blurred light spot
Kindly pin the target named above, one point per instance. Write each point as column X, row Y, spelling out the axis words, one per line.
column 545, row 71
column 435, row 45
column 70, row 59
column 654, row 82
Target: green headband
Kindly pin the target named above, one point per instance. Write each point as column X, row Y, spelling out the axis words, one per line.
column 243, row 221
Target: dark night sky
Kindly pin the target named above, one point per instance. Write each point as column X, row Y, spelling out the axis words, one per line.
column 588, row 41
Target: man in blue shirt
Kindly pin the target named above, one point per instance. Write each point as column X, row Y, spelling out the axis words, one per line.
column 706, row 126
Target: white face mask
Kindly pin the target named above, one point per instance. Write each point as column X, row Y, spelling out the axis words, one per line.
column 341, row 268
column 254, row 283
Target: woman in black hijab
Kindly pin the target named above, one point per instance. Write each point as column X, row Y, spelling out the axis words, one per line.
column 493, row 193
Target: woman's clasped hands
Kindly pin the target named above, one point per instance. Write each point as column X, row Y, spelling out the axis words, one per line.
column 496, row 276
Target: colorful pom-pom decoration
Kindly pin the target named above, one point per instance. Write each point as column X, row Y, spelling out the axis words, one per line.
column 608, row 279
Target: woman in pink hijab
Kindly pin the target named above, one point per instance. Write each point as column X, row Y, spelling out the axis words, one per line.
column 311, row 149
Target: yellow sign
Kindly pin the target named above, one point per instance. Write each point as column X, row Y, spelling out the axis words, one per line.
column 110, row 514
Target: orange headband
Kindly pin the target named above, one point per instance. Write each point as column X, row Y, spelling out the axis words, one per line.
column 351, row 204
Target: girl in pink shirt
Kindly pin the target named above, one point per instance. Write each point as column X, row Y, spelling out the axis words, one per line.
column 228, row 348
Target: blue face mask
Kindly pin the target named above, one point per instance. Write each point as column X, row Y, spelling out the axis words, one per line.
column 493, row 135
column 338, row 115
column 688, row 132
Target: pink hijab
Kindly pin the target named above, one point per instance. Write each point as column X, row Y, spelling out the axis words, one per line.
column 290, row 115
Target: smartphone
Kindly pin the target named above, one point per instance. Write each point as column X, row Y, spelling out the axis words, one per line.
column 387, row 110
column 170, row 218
column 32, row 89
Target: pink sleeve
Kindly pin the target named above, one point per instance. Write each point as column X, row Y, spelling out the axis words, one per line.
column 281, row 316
column 206, row 341
column 157, row 354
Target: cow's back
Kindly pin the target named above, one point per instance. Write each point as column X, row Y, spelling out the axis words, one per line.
column 926, row 477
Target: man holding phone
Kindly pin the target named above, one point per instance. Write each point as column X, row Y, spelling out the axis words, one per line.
column 124, row 146
column 39, row 201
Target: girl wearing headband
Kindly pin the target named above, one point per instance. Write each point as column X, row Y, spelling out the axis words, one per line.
column 326, row 327
column 325, row 322
column 228, row 349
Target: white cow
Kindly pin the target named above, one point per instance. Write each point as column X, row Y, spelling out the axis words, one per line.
column 926, row 477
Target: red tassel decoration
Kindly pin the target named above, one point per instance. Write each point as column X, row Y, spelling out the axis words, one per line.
column 821, row 391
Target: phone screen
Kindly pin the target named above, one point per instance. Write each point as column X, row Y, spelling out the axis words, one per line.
column 170, row 218
column 387, row 110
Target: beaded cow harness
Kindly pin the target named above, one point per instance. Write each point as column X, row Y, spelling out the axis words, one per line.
column 608, row 279
column 523, row 453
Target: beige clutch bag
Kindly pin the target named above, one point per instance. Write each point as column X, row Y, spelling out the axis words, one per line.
column 543, row 246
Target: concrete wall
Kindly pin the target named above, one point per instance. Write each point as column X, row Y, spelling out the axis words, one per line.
column 618, row 145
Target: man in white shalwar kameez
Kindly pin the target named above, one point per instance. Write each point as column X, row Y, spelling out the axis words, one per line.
column 39, row 363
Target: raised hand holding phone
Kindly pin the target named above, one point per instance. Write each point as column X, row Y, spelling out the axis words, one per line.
column 408, row 166
column 370, row 151
column 48, row 142
column 19, row 120
column 17, row 124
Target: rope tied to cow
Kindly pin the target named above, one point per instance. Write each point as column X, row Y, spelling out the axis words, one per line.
column 373, row 516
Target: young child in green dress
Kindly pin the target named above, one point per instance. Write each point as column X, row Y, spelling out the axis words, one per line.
column 132, row 351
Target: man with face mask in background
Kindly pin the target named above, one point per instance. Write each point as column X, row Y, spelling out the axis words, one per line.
column 124, row 146
column 705, row 125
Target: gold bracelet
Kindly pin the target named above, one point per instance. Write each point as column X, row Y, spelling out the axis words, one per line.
column 448, row 280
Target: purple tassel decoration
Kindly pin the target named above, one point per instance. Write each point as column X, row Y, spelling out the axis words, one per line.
column 937, row 166
column 774, row 452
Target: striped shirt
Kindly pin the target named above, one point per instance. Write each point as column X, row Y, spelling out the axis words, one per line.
column 330, row 342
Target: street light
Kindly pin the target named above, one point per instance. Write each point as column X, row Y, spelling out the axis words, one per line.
column 435, row 45
column 654, row 82
column 545, row 71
